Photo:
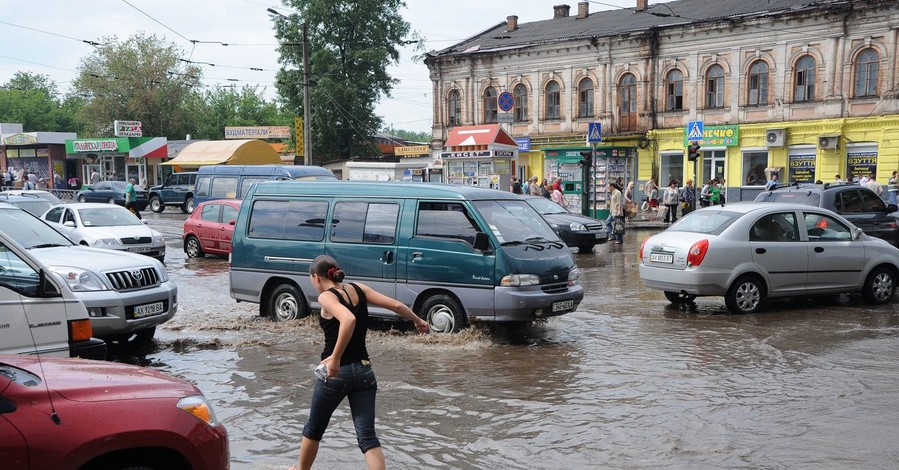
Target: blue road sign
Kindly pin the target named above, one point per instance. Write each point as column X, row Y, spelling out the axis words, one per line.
column 694, row 131
column 594, row 133
column 505, row 101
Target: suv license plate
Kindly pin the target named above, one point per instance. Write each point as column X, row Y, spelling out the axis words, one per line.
column 661, row 258
column 148, row 310
column 563, row 305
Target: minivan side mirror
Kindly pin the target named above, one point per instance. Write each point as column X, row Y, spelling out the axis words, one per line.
column 891, row 208
column 45, row 287
column 481, row 242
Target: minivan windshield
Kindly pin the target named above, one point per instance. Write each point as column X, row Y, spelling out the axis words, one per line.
column 514, row 221
column 29, row 231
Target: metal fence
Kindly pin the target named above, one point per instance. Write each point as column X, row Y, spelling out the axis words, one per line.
column 66, row 195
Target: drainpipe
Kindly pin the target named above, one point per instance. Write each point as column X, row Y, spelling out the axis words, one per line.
column 653, row 76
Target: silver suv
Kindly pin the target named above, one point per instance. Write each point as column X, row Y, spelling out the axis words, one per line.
column 127, row 295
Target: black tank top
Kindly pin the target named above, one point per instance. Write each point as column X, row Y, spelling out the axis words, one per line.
column 355, row 349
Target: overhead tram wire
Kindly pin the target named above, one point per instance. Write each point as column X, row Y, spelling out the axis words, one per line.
column 86, row 41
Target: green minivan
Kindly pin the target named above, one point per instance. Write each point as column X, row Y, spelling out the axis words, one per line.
column 453, row 254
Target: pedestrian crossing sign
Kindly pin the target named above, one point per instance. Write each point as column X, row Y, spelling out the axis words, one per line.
column 594, row 133
column 694, row 131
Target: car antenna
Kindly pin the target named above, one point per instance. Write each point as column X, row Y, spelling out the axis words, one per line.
column 53, row 415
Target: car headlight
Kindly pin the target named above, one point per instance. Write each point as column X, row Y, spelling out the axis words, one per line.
column 517, row 280
column 78, row 279
column 158, row 241
column 199, row 407
column 574, row 276
column 107, row 243
column 576, row 227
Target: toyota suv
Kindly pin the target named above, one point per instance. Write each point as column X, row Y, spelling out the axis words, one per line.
column 858, row 204
column 126, row 294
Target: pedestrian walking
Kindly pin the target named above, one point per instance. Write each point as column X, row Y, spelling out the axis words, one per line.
column 347, row 368
column 893, row 186
column 671, row 197
column 630, row 206
column 715, row 193
column 616, row 214
column 688, row 198
column 131, row 198
column 651, row 191
column 516, row 186
column 534, row 189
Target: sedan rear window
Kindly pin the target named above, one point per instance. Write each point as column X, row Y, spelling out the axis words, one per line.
column 809, row 199
column 708, row 222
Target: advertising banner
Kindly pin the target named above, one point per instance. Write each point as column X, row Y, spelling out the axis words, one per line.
column 860, row 164
column 802, row 168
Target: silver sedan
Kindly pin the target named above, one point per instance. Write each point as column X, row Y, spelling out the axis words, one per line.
column 754, row 251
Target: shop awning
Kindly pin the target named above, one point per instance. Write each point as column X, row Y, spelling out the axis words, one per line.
column 491, row 135
column 226, row 152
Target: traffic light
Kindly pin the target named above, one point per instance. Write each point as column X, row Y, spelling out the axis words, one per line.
column 693, row 152
column 587, row 158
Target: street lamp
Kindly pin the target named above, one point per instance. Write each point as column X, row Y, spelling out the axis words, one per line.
column 307, row 112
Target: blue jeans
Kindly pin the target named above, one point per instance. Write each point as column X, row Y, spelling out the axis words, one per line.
column 892, row 197
column 357, row 382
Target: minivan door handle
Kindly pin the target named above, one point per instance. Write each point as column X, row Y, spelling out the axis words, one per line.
column 761, row 251
column 819, row 249
column 387, row 258
column 417, row 255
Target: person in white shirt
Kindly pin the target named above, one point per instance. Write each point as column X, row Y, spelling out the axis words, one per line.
column 873, row 185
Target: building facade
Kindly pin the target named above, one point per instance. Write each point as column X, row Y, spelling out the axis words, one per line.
column 806, row 88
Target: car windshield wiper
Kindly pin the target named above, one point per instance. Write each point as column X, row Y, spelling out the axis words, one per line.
column 46, row 245
column 528, row 244
column 543, row 240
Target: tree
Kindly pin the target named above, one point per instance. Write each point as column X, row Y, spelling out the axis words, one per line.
column 141, row 79
column 33, row 100
column 351, row 44
column 411, row 136
column 219, row 107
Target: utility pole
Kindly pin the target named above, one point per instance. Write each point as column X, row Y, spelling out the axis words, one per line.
column 307, row 108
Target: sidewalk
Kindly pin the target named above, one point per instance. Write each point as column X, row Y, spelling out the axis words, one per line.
column 646, row 220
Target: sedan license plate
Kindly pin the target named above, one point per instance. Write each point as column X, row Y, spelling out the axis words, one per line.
column 148, row 310
column 563, row 305
column 661, row 258
column 140, row 249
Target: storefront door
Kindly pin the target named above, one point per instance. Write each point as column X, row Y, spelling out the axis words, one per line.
column 712, row 165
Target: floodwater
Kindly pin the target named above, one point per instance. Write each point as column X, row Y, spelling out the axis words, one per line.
column 627, row 381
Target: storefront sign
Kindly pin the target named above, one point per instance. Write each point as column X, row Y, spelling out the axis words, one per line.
column 412, row 150
column 111, row 145
column 861, row 164
column 20, row 139
column 43, row 152
column 720, row 136
column 128, row 129
column 258, row 132
column 524, row 143
column 802, row 168
column 472, row 154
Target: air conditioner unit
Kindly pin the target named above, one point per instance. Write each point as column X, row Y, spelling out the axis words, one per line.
column 775, row 137
column 829, row 142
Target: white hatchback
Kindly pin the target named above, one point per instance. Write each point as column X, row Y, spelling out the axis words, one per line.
column 106, row 226
column 749, row 252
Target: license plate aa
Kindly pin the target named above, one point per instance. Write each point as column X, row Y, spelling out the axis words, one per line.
column 148, row 310
column 563, row 305
column 661, row 258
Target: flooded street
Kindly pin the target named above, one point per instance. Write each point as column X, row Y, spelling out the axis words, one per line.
column 627, row 381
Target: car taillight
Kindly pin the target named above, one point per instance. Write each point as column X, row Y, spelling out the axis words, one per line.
column 697, row 252
column 641, row 248
column 80, row 330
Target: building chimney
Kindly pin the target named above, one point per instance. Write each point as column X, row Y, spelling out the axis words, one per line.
column 642, row 5
column 583, row 9
column 511, row 23
column 561, row 11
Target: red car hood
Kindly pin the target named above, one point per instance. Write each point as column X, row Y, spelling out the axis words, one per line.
column 87, row 381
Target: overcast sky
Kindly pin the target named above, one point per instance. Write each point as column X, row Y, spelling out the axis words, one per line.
column 57, row 55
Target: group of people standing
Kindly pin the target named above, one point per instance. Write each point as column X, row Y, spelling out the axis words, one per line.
column 549, row 189
column 666, row 202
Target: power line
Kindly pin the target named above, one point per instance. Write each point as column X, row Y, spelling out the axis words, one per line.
column 92, row 43
column 157, row 21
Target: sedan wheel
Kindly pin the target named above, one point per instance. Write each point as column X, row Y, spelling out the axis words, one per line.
column 111, row 200
column 193, row 248
column 678, row 298
column 746, row 295
column 880, row 286
column 81, row 198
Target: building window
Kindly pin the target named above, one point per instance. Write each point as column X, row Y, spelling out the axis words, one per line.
column 674, row 86
column 671, row 168
column 754, row 164
column 520, row 94
column 627, row 90
column 714, row 87
column 553, row 100
column 866, row 73
column 454, row 107
column 585, row 98
column 758, row 84
column 805, row 80
column 490, row 109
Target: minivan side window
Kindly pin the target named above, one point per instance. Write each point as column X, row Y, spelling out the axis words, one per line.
column 224, row 187
column 203, row 186
column 362, row 222
column 16, row 274
column 288, row 220
column 445, row 220
column 246, row 183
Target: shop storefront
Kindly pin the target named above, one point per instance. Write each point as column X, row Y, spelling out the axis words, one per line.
column 586, row 190
column 40, row 153
column 861, row 161
column 483, row 156
column 119, row 158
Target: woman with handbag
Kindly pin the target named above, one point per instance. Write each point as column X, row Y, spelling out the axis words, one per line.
column 630, row 207
column 616, row 212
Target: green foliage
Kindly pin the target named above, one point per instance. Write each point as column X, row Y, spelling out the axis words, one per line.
column 411, row 136
column 351, row 44
column 218, row 107
column 33, row 100
column 140, row 79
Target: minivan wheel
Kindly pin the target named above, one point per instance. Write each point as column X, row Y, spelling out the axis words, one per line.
column 880, row 286
column 286, row 303
column 188, row 206
column 193, row 248
column 443, row 314
column 746, row 295
column 678, row 298
column 156, row 204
